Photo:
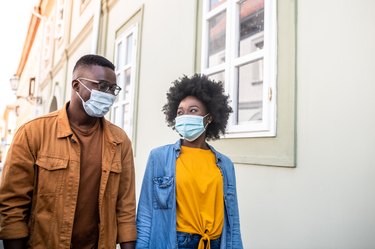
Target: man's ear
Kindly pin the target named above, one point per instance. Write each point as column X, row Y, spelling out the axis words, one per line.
column 75, row 85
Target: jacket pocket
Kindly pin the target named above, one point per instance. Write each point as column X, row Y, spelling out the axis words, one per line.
column 163, row 192
column 114, row 179
column 116, row 167
column 51, row 174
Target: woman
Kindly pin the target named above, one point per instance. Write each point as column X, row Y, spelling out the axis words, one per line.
column 188, row 197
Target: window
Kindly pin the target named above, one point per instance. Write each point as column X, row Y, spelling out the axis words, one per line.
column 249, row 49
column 60, row 19
column 125, row 61
column 32, row 87
column 239, row 49
column 47, row 43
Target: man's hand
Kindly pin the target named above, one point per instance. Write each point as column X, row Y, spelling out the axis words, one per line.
column 128, row 245
column 15, row 243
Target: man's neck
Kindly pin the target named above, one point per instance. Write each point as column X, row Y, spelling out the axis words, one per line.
column 79, row 118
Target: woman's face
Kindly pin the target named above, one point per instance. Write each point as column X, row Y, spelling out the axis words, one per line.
column 191, row 106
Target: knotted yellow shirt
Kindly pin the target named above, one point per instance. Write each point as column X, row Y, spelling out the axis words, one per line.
column 200, row 196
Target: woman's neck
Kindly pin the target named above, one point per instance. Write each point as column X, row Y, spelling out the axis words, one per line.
column 200, row 143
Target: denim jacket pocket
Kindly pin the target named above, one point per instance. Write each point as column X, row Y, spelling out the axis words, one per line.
column 163, row 191
column 50, row 174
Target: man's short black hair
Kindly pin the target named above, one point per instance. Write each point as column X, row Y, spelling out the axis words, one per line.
column 210, row 92
column 93, row 60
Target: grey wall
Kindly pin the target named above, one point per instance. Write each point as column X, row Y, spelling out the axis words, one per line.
column 328, row 200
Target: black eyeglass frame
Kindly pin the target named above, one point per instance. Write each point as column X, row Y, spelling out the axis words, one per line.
column 108, row 87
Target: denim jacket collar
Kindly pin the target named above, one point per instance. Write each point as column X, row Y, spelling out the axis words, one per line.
column 178, row 144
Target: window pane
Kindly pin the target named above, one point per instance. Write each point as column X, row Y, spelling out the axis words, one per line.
column 114, row 114
column 120, row 82
column 126, row 89
column 126, row 115
column 129, row 49
column 118, row 113
column 215, row 3
column 119, row 59
column 251, row 26
column 32, row 87
column 250, row 92
column 218, row 77
column 216, row 39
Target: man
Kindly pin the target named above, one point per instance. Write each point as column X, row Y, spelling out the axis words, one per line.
column 68, row 179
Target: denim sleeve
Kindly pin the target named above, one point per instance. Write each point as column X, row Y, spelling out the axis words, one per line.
column 145, row 208
column 236, row 233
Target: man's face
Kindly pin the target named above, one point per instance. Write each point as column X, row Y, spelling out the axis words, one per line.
column 93, row 73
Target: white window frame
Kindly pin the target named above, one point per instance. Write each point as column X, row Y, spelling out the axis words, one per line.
column 120, row 71
column 267, row 126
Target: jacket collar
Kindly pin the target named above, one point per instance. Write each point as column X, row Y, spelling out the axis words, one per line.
column 177, row 148
column 64, row 130
column 63, row 127
column 108, row 132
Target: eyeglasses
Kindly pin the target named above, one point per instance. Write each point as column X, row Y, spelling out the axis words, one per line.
column 105, row 86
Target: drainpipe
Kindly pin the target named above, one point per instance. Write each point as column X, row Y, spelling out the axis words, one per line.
column 38, row 107
column 66, row 54
column 105, row 27
column 96, row 27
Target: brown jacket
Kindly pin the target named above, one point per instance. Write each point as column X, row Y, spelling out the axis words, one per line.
column 39, row 186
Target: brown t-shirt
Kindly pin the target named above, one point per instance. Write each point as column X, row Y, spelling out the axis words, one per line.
column 86, row 219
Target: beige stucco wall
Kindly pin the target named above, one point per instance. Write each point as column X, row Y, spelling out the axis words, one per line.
column 327, row 200
column 167, row 52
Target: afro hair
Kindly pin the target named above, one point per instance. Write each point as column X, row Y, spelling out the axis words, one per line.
column 212, row 95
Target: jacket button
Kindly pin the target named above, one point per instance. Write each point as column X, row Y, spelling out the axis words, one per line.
column 73, row 141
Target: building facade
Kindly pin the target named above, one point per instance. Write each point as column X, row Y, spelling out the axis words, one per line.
column 293, row 69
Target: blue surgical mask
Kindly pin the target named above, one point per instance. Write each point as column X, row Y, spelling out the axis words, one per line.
column 98, row 104
column 190, row 127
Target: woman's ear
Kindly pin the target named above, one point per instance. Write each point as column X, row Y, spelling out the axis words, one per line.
column 209, row 120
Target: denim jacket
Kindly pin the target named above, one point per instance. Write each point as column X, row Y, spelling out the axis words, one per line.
column 156, row 216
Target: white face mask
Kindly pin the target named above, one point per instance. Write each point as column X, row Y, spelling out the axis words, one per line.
column 98, row 104
column 190, row 127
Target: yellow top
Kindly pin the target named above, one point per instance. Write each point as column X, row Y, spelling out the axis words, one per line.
column 200, row 194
